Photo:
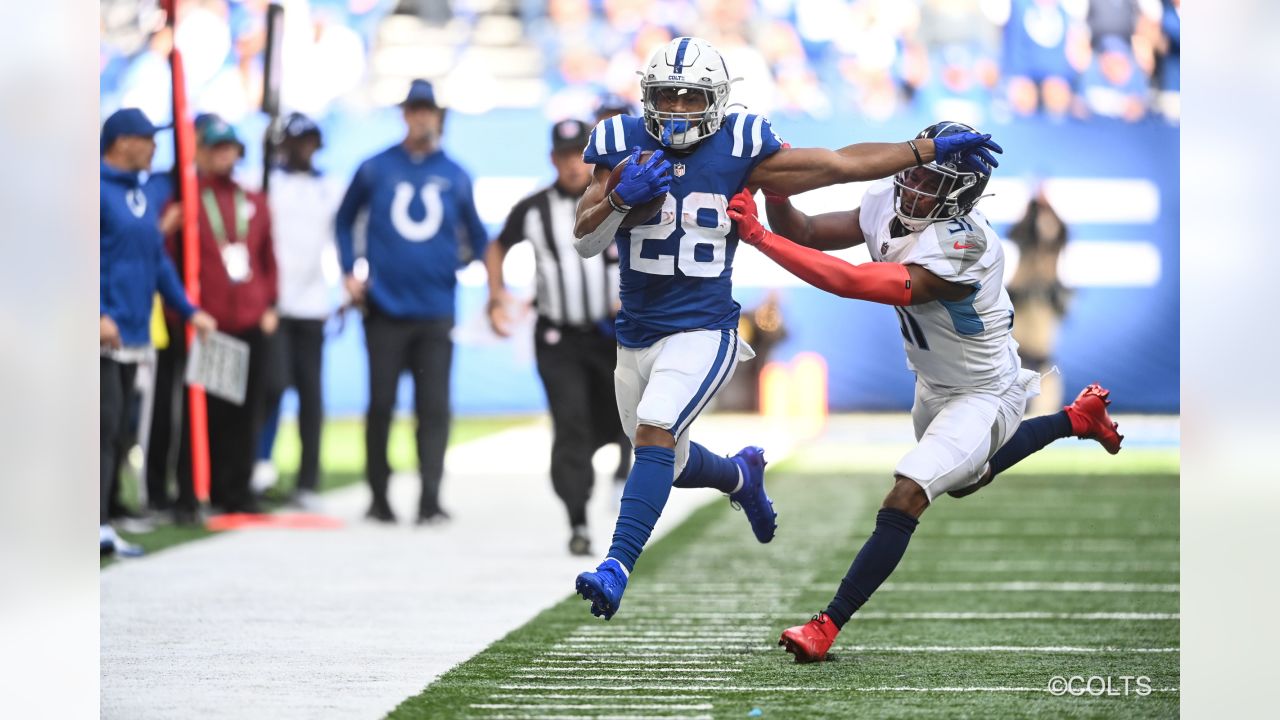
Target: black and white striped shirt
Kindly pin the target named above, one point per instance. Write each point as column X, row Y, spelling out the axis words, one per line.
column 571, row 291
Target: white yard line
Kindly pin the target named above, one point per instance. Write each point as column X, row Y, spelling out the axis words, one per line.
column 1048, row 649
column 590, row 706
column 645, row 716
column 667, row 698
column 1027, row 586
column 761, row 689
column 554, row 661
column 874, row 615
column 764, row 689
column 708, row 592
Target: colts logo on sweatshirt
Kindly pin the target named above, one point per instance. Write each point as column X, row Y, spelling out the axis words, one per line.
column 137, row 202
column 417, row 230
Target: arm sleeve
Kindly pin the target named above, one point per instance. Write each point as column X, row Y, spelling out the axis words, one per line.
column 170, row 287
column 887, row 283
column 357, row 196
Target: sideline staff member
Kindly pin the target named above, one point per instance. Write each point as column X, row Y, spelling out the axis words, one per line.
column 576, row 301
column 422, row 227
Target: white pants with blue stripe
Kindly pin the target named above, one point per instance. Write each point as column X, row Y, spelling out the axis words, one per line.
column 669, row 383
column 957, row 433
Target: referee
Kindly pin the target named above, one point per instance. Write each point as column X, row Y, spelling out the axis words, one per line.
column 576, row 302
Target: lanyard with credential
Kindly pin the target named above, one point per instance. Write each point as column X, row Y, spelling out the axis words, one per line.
column 212, row 210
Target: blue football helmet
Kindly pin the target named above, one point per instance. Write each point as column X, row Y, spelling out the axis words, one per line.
column 940, row 190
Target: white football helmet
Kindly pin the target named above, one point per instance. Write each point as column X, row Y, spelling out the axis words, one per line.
column 687, row 64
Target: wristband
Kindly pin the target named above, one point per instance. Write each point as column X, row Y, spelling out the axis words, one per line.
column 616, row 207
column 912, row 145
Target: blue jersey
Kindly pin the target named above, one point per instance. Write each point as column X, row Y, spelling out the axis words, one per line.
column 676, row 270
column 132, row 262
column 423, row 226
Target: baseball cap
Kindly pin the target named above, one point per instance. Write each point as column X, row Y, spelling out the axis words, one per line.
column 421, row 92
column 213, row 130
column 127, row 122
column 297, row 125
column 569, row 135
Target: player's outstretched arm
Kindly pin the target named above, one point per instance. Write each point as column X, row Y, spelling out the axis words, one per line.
column 791, row 171
column 886, row 283
column 828, row 231
column 597, row 219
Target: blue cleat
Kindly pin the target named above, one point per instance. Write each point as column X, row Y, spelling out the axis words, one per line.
column 604, row 587
column 751, row 498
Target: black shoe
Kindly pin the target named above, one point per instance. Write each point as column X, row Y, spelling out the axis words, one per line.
column 438, row 517
column 580, row 543
column 187, row 517
column 122, row 512
column 248, row 507
column 381, row 512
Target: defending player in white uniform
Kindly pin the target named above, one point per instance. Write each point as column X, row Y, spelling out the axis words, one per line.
column 939, row 263
column 970, row 391
column 677, row 328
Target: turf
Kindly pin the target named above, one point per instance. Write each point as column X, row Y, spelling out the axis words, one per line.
column 695, row 633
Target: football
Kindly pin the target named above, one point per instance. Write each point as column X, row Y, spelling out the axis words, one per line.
column 640, row 213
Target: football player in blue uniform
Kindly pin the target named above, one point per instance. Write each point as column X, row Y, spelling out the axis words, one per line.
column 677, row 331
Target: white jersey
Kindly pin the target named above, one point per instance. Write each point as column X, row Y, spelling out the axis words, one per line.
column 966, row 344
column 302, row 210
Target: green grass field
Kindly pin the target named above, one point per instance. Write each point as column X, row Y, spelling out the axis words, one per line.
column 1036, row 576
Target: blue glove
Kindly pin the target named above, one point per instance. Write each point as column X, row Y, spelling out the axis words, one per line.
column 970, row 149
column 642, row 183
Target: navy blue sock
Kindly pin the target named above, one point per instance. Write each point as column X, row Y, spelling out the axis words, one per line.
column 706, row 469
column 1031, row 436
column 874, row 563
column 648, row 487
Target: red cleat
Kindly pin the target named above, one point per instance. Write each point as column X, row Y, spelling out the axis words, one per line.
column 811, row 641
column 1089, row 418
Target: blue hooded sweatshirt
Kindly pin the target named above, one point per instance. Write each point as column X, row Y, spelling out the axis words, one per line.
column 132, row 260
column 423, row 226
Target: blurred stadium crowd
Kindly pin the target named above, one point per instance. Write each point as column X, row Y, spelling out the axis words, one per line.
column 976, row 61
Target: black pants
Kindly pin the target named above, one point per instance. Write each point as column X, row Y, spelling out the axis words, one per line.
column 297, row 353
column 233, row 433
column 577, row 372
column 167, row 407
column 113, row 408
column 424, row 348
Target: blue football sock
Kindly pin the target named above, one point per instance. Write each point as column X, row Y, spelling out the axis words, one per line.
column 706, row 469
column 874, row 563
column 1031, row 436
column 648, row 487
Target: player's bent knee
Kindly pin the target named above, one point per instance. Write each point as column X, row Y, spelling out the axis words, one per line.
column 907, row 496
column 654, row 436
